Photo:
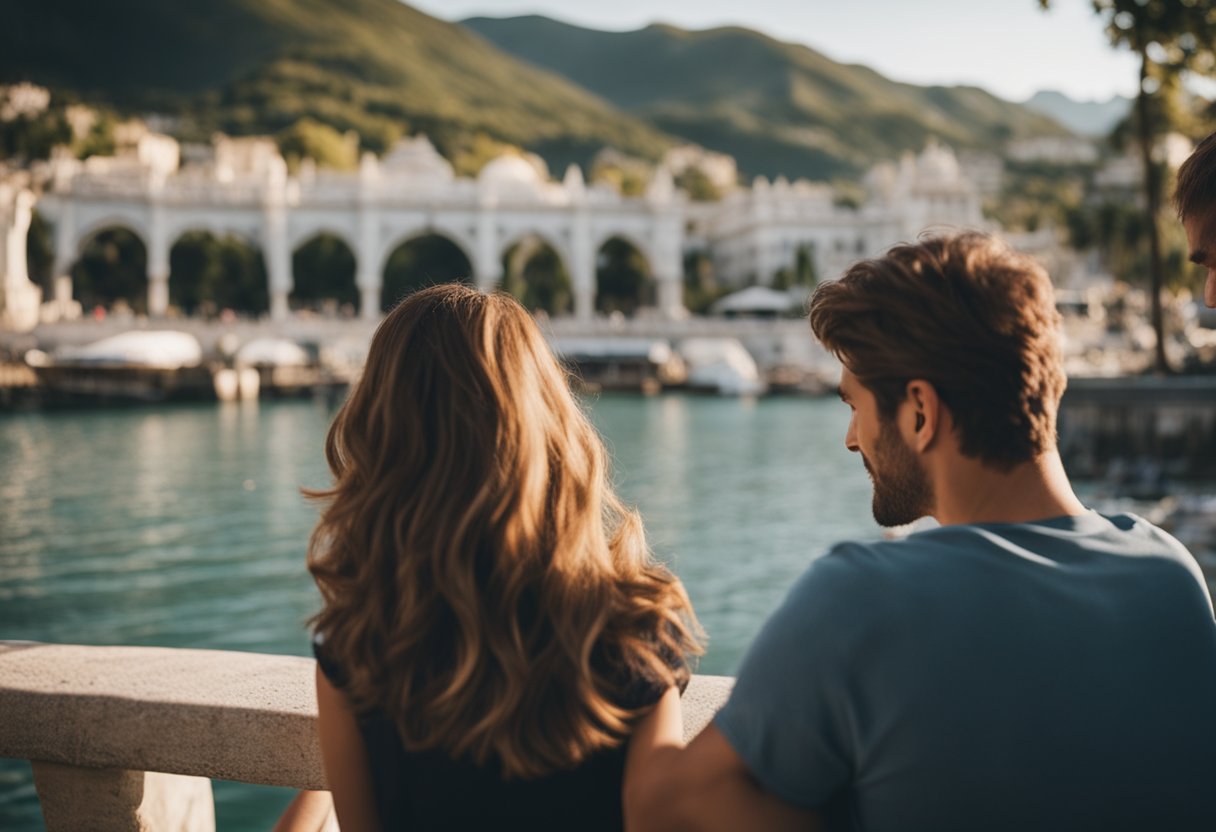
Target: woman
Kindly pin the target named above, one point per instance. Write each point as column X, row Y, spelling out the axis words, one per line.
column 493, row 626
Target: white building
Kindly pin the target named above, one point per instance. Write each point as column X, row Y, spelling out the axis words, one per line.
column 244, row 188
column 752, row 234
column 1056, row 150
column 23, row 100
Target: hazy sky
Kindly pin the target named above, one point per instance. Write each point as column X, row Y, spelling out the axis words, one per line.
column 1009, row 47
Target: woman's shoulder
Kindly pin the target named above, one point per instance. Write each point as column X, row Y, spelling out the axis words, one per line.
column 328, row 663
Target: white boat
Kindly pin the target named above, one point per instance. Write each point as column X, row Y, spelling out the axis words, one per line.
column 722, row 366
column 140, row 365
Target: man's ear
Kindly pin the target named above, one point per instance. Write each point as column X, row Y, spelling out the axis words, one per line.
column 927, row 411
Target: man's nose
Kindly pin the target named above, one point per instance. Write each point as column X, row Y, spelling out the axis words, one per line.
column 850, row 437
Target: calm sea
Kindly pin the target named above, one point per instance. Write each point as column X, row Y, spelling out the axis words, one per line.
column 183, row 526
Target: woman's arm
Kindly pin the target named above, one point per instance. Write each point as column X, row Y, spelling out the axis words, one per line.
column 345, row 759
column 703, row 787
column 657, row 737
column 309, row 811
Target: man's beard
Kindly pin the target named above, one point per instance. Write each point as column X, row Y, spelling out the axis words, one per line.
column 902, row 492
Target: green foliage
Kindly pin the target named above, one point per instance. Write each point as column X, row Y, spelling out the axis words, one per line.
column 1176, row 35
column 628, row 179
column 323, row 269
column 848, row 193
column 1036, row 195
column 540, row 282
column 27, row 138
column 693, row 180
column 701, row 287
column 801, row 273
column 422, row 261
column 113, row 266
column 622, row 278
column 208, row 274
column 469, row 153
column 1118, row 230
column 99, row 141
column 317, row 141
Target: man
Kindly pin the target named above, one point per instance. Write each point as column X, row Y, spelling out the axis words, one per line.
column 1029, row 665
column 1195, row 199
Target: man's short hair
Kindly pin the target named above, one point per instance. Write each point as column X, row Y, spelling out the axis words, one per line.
column 1195, row 191
column 966, row 313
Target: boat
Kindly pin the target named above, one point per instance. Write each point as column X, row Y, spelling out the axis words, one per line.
column 135, row 366
column 640, row 364
column 722, row 366
column 284, row 367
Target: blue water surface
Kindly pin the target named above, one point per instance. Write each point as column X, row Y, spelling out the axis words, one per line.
column 184, row 526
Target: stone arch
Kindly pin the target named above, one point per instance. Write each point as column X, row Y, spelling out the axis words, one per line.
column 536, row 273
column 624, row 276
column 110, row 266
column 247, row 232
column 211, row 271
column 323, row 267
column 112, row 219
column 636, row 241
column 305, row 232
column 431, row 229
column 421, row 259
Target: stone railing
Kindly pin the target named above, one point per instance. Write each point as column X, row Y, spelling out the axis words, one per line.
column 126, row 738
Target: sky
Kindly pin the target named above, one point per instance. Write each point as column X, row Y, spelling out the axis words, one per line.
column 1009, row 47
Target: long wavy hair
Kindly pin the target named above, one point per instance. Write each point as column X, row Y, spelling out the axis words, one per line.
column 482, row 584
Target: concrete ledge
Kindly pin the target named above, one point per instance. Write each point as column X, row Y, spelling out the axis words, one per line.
column 234, row 716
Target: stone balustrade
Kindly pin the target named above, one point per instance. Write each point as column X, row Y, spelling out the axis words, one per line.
column 126, row 738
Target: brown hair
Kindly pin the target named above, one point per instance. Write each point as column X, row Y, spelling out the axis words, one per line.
column 966, row 313
column 483, row 586
column 1195, row 191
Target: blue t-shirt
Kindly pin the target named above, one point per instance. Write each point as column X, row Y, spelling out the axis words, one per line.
column 1057, row 675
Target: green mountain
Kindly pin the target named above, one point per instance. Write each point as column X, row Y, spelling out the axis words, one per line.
column 778, row 108
column 256, row 66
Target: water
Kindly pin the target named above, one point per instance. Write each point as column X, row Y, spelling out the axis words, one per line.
column 165, row 526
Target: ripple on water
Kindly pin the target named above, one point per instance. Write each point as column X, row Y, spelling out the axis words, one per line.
column 138, row 527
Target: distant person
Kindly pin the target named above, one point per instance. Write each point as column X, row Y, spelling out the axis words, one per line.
column 493, row 624
column 1028, row 665
column 1195, row 199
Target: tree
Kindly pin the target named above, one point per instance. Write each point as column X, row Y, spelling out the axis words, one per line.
column 323, row 269
column 320, row 142
column 1169, row 37
column 622, row 278
column 209, row 273
column 698, row 185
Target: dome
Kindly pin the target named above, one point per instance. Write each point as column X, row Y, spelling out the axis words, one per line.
column 937, row 163
column 511, row 170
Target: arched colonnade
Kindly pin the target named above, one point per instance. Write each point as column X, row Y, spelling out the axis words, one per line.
column 576, row 235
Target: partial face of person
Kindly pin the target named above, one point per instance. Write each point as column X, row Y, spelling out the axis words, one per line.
column 1201, row 240
column 902, row 491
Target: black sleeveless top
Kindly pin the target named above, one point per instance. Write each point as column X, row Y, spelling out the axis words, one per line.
column 427, row 790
